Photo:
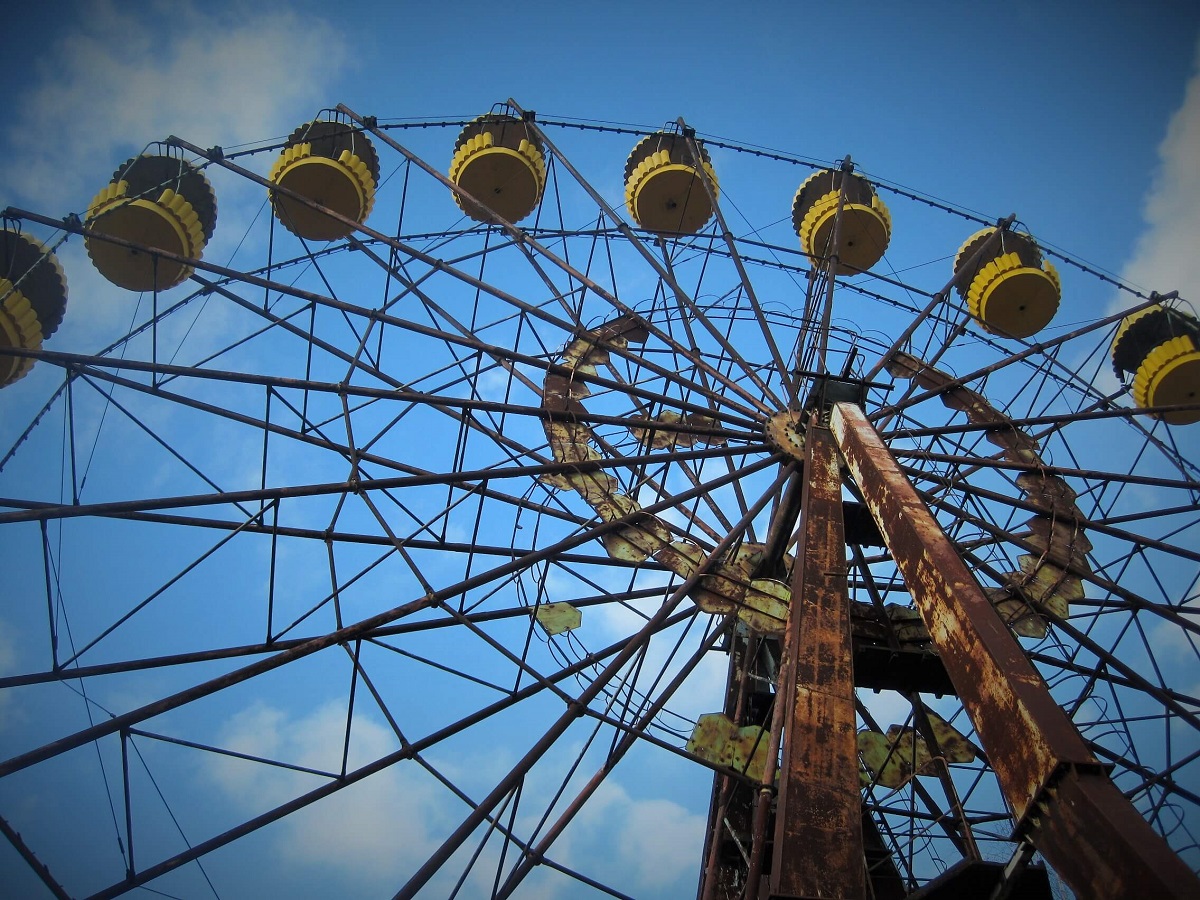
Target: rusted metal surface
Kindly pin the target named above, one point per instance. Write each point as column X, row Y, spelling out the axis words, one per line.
column 667, row 433
column 1047, row 582
column 729, row 585
column 1100, row 846
column 1060, row 795
column 892, row 648
column 720, row 740
column 731, row 809
column 1007, row 700
column 818, row 829
column 902, row 753
column 785, row 432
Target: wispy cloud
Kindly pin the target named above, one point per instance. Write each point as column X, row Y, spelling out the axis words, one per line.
column 114, row 80
column 357, row 836
column 120, row 78
column 651, row 843
column 1165, row 257
column 368, row 838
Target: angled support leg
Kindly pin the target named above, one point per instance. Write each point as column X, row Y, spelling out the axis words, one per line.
column 1060, row 795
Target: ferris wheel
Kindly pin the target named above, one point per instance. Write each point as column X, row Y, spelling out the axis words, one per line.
column 514, row 519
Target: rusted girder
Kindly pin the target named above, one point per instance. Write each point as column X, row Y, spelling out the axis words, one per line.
column 1061, row 797
column 818, row 829
column 731, row 809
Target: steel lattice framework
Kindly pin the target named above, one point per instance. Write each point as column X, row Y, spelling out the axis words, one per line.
column 294, row 542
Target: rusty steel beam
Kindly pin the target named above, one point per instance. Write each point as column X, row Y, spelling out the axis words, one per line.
column 470, row 342
column 77, row 362
column 731, row 802
column 38, row 510
column 349, row 632
column 818, row 821
column 1061, row 797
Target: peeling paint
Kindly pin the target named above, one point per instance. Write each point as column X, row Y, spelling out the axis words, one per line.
column 1041, row 585
column 717, row 739
column 555, row 618
column 727, row 586
column 894, row 758
column 1027, row 736
column 664, row 436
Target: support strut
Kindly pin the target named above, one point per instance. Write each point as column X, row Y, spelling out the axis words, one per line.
column 818, row 849
column 1061, row 797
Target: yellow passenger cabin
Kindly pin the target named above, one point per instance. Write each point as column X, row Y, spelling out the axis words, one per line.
column 1160, row 347
column 664, row 187
column 498, row 160
column 153, row 203
column 863, row 232
column 1010, row 288
column 326, row 166
column 33, row 300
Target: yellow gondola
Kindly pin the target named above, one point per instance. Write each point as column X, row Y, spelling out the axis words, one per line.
column 33, row 299
column 1010, row 290
column 332, row 165
column 157, row 202
column 499, row 161
column 1160, row 347
column 866, row 226
column 663, row 187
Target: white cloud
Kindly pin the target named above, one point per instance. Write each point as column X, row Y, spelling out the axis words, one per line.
column 370, row 835
column 8, row 664
column 659, row 841
column 368, row 838
column 651, row 843
column 1165, row 257
column 121, row 78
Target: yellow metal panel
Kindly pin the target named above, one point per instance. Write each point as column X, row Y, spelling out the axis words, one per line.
column 555, row 618
column 343, row 185
column 508, row 181
column 168, row 223
column 717, row 739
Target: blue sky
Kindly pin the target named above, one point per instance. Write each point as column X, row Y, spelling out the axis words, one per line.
column 1083, row 119
column 1054, row 111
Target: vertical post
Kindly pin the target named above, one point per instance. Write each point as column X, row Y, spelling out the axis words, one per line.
column 831, row 269
column 818, row 826
column 721, row 876
column 1062, row 799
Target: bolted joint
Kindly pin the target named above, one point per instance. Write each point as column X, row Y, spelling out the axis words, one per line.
column 785, row 432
